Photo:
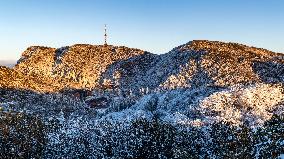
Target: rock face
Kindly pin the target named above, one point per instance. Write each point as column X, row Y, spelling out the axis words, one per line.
column 194, row 64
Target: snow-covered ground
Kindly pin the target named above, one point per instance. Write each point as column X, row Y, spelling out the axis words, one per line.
column 207, row 119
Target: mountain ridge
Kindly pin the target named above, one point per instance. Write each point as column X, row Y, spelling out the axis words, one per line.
column 198, row 62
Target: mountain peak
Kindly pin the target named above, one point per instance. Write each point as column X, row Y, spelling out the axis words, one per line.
column 76, row 66
column 218, row 46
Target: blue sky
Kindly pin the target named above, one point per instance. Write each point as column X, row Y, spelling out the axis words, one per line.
column 153, row 25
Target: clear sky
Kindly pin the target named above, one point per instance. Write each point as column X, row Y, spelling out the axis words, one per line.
column 152, row 25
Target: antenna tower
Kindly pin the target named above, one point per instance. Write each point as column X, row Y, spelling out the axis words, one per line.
column 105, row 34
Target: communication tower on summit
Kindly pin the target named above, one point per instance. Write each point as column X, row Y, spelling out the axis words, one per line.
column 105, row 35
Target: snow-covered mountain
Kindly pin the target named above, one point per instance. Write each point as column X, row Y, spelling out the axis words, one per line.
column 7, row 63
column 203, row 99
